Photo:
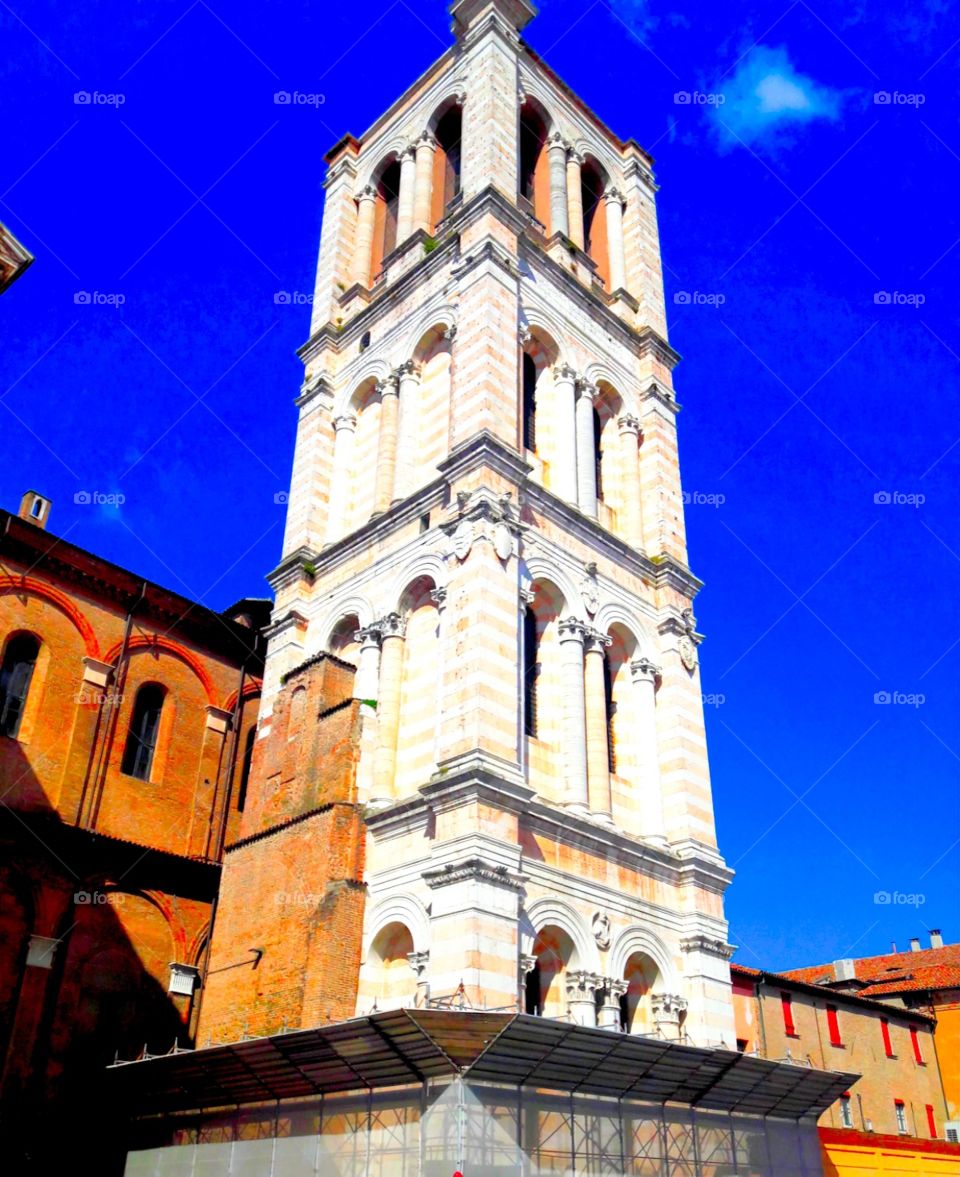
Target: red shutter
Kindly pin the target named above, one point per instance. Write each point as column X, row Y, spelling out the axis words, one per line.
column 915, row 1041
column 931, row 1122
column 833, row 1025
column 785, row 1002
column 885, row 1031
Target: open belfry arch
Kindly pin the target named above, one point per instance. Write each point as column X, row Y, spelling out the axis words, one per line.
column 484, row 586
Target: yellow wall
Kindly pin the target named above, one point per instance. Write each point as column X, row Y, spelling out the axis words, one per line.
column 948, row 1050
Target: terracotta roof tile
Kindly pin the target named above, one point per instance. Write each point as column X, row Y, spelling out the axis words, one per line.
column 896, row 972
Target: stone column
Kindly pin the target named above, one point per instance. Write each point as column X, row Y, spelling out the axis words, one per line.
column 575, row 199
column 667, row 1009
column 344, row 433
column 558, row 184
column 644, row 675
column 393, row 630
column 609, row 1016
column 418, row 963
column 366, row 688
column 389, row 390
column 565, row 474
column 405, row 201
column 574, row 717
column 408, row 376
column 582, row 997
column 631, row 518
column 614, row 201
column 439, row 598
column 426, row 145
column 363, row 247
column 598, row 761
column 586, row 463
column 528, row 963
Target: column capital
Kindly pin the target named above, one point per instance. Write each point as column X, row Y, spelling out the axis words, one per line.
column 628, row 423
column 409, row 152
column 615, row 988
column 582, row 985
column 367, row 192
column 370, row 636
column 450, row 331
column 426, row 139
column 556, row 140
column 527, row 597
column 393, row 625
column 667, row 1007
column 418, row 961
column 528, row 963
column 587, row 389
column 596, row 642
column 613, row 196
column 575, row 157
column 408, row 368
column 389, row 385
column 346, row 421
column 643, row 670
column 572, row 630
column 439, row 597
column 564, row 372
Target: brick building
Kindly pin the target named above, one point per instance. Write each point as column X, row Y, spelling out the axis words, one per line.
column 126, row 713
column 14, row 258
column 473, row 916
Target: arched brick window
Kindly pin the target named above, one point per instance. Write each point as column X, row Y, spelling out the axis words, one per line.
column 144, row 728
column 16, row 672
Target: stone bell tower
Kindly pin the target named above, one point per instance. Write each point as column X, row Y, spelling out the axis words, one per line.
column 485, row 521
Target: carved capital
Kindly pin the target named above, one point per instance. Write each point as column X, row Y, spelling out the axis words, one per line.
column 427, row 139
column 408, row 370
column 527, row 963
column 556, row 142
column 346, row 421
column 389, row 385
column 565, row 372
column 643, row 670
column 367, row 192
column 572, row 630
column 595, row 641
column 371, row 636
column 439, row 597
column 582, row 986
column 587, row 389
column 613, row 196
column 628, row 424
column 614, row 989
column 418, row 961
column 394, row 625
column 667, row 1007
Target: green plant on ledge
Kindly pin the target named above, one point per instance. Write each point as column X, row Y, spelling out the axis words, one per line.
column 310, row 570
column 430, row 244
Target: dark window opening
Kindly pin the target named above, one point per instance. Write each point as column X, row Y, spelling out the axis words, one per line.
column 532, row 137
column 365, row 341
column 598, row 454
column 424, row 523
column 142, row 737
column 448, row 134
column 591, row 194
column 15, row 675
column 389, row 189
column 610, row 709
column 624, row 1002
column 245, row 770
column 742, row 1045
column 531, row 671
column 529, row 403
column 533, row 997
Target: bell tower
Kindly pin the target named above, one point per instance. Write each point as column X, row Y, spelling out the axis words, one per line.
column 485, row 521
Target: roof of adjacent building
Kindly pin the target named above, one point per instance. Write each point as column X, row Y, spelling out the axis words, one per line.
column 412, row 1046
column 867, row 998
column 895, row 972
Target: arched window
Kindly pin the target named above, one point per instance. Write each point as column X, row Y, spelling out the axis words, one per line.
column 142, row 736
column 16, row 672
column 388, row 204
column 598, row 453
column 592, row 185
column 534, row 183
column 447, row 181
column 609, row 708
column 529, row 403
column 531, row 671
column 245, row 769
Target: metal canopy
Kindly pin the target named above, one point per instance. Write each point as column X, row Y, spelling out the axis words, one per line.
column 405, row 1047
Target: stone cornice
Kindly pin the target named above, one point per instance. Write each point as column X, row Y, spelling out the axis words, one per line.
column 470, row 870
column 709, row 945
column 484, row 449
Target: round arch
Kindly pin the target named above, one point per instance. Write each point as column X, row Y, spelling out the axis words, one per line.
column 398, row 909
column 617, row 613
column 356, row 604
column 428, row 565
column 369, row 369
column 139, row 643
column 453, row 94
column 642, row 940
column 539, row 569
column 29, row 584
column 553, row 910
column 600, row 372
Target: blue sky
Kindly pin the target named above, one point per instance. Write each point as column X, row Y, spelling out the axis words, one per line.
column 809, row 158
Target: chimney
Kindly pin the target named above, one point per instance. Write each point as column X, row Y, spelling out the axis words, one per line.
column 35, row 509
column 936, row 940
column 914, row 944
column 843, row 970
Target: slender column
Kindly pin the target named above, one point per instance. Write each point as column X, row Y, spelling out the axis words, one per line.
column 366, row 688
column 631, row 520
column 439, row 598
column 598, row 762
column 575, row 198
column 615, row 238
column 574, row 717
column 344, row 434
column 582, row 997
column 408, row 173
column 389, row 390
column 586, row 463
column 609, row 1016
column 644, row 676
column 418, row 962
column 423, row 198
column 558, row 184
column 408, row 375
column 667, row 1009
column 565, row 472
column 363, row 247
column 393, row 630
